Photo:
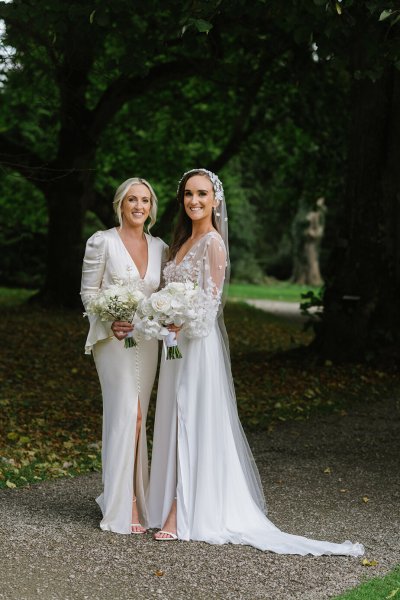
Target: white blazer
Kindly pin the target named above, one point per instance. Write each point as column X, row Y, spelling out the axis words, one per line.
column 107, row 261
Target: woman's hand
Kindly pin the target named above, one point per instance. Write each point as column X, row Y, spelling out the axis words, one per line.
column 121, row 329
column 174, row 328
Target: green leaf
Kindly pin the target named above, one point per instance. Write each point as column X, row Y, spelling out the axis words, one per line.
column 202, row 26
column 91, row 18
column 385, row 14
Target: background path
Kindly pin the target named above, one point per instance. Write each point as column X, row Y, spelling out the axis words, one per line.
column 289, row 310
column 315, row 474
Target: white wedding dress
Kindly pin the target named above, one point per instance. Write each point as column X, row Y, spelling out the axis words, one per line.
column 126, row 377
column 200, row 454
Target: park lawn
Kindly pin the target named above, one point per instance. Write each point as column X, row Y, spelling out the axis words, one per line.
column 50, row 401
column 379, row 588
column 278, row 290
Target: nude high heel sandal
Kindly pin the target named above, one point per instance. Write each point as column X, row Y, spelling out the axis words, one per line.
column 142, row 529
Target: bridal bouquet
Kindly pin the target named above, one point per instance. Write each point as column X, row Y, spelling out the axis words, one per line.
column 178, row 303
column 118, row 302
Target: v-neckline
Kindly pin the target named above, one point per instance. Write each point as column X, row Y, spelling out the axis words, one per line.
column 177, row 264
column 130, row 256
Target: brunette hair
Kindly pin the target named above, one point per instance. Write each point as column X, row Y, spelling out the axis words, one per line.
column 183, row 227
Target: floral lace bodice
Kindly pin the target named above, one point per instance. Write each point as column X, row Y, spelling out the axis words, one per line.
column 204, row 264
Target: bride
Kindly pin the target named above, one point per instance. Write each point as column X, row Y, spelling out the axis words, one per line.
column 204, row 484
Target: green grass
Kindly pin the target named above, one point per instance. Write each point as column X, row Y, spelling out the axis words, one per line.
column 379, row 588
column 11, row 297
column 282, row 290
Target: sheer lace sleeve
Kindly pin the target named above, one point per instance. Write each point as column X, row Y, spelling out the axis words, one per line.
column 214, row 260
column 211, row 281
column 94, row 264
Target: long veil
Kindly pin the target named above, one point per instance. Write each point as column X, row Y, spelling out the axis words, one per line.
column 245, row 455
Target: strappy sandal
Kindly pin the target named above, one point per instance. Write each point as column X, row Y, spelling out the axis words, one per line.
column 138, row 532
column 138, row 525
column 172, row 536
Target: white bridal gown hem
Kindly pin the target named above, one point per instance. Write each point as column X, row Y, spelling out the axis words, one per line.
column 214, row 505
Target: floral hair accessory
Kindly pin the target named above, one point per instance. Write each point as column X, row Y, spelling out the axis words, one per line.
column 215, row 180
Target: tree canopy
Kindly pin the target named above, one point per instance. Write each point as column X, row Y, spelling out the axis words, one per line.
column 278, row 96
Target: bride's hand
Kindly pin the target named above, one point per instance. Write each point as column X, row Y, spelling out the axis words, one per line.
column 174, row 328
column 121, row 329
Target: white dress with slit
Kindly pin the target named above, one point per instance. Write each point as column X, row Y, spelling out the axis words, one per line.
column 126, row 377
column 200, row 454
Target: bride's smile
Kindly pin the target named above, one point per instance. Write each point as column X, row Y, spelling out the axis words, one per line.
column 199, row 198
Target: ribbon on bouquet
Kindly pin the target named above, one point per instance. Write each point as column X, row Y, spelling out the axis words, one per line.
column 171, row 346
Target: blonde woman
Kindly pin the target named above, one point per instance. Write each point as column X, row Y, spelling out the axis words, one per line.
column 126, row 375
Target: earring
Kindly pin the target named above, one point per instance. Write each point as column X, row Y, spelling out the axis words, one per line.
column 217, row 214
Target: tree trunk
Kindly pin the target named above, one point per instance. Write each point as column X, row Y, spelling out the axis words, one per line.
column 361, row 301
column 64, row 245
column 67, row 198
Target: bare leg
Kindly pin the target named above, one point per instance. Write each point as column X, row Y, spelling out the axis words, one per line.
column 169, row 525
column 136, row 528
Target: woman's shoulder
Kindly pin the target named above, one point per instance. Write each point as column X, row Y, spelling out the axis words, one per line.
column 102, row 234
column 99, row 240
column 213, row 240
column 157, row 242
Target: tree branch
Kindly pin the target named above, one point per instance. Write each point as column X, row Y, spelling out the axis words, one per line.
column 18, row 157
column 31, row 34
column 243, row 125
column 126, row 88
column 101, row 205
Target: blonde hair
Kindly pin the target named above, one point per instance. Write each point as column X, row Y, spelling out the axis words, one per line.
column 123, row 190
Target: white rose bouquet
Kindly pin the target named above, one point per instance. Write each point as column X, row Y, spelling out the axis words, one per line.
column 178, row 303
column 118, row 302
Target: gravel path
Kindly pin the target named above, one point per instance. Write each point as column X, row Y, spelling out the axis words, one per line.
column 52, row 549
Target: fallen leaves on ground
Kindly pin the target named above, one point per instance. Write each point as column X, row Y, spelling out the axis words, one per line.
column 50, row 401
column 369, row 563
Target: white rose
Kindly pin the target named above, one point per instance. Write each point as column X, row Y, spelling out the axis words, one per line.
column 146, row 308
column 137, row 296
column 161, row 302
